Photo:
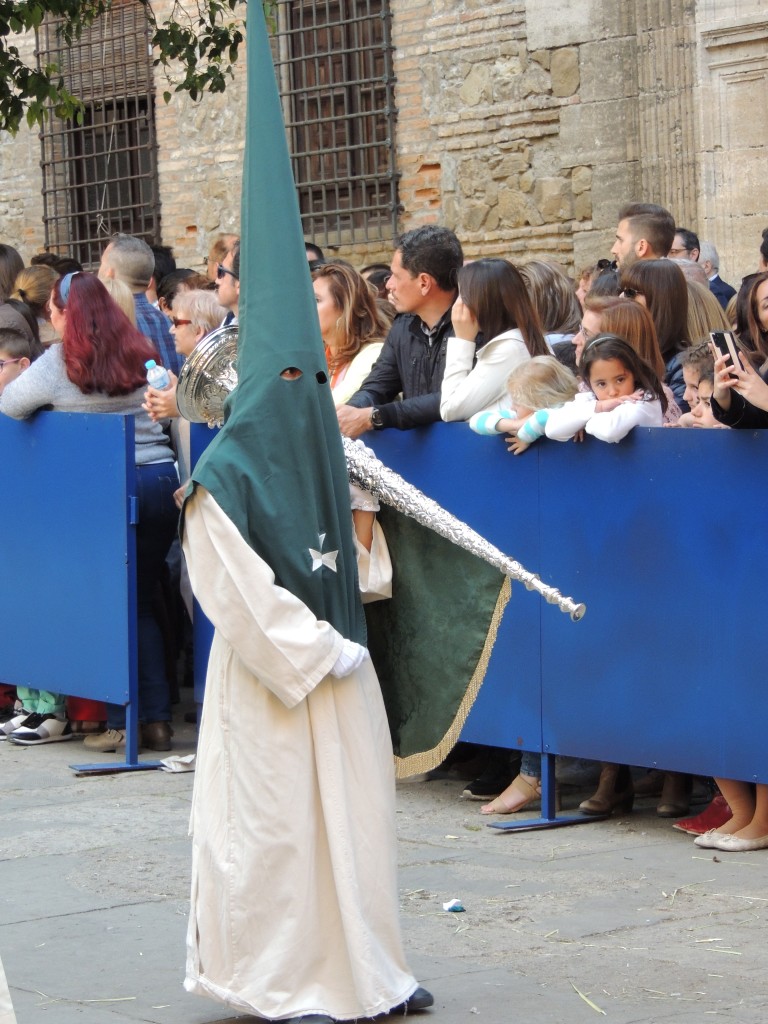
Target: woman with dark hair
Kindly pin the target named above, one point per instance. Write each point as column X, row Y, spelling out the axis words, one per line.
column 756, row 338
column 100, row 367
column 11, row 264
column 660, row 286
column 493, row 302
column 353, row 326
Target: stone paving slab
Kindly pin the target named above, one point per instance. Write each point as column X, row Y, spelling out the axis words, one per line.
column 626, row 913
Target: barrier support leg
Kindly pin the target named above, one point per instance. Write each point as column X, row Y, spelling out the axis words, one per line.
column 131, row 762
column 549, row 818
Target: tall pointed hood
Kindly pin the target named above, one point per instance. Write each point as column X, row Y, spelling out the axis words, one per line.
column 277, row 467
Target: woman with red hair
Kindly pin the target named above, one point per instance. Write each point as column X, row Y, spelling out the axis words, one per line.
column 100, row 368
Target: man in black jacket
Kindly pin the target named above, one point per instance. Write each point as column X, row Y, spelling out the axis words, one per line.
column 422, row 289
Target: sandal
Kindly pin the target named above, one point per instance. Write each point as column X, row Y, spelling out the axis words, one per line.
column 523, row 790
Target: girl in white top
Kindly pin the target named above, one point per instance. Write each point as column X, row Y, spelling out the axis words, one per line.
column 625, row 392
column 493, row 301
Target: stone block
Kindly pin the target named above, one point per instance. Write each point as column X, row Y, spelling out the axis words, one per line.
column 474, row 216
column 575, row 21
column 554, row 199
column 515, row 210
column 581, row 180
column 564, row 71
column 592, row 133
column 477, row 86
column 608, row 70
column 612, row 186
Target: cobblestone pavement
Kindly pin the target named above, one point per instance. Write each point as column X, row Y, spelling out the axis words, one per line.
column 624, row 918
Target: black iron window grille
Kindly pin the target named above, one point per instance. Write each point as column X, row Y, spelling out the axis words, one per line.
column 333, row 60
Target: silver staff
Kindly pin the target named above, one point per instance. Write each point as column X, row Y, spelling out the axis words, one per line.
column 371, row 474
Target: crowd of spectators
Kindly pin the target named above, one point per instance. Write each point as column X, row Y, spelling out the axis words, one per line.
column 519, row 350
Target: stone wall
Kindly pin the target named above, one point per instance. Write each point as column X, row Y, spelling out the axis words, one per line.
column 521, row 124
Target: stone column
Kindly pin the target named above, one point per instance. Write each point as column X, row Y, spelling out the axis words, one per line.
column 667, row 136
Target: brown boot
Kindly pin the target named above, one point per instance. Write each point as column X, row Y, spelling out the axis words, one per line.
column 156, row 735
column 614, row 790
column 675, row 799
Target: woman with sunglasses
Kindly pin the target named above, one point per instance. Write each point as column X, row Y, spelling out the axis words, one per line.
column 100, row 368
column 660, row 286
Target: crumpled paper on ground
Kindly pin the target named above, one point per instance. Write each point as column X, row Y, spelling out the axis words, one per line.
column 172, row 764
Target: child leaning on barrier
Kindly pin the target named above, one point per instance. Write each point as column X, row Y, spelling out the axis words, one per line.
column 624, row 392
column 537, row 385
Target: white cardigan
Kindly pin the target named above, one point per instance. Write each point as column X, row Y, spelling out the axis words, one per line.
column 580, row 414
column 467, row 389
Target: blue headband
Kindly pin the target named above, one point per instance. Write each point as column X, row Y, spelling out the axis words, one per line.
column 64, row 286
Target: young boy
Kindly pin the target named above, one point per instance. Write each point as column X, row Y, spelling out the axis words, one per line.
column 696, row 362
column 15, row 355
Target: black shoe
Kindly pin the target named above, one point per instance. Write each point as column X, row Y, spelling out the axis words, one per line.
column 420, row 1000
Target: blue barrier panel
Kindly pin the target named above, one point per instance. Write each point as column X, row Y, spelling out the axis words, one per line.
column 67, row 557
column 659, row 537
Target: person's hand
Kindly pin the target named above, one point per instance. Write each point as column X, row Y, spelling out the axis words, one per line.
column 465, row 326
column 514, row 444
column 750, row 384
column 353, row 422
column 607, row 404
column 178, row 496
column 724, row 377
column 161, row 405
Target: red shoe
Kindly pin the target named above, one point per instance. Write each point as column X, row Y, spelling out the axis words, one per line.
column 713, row 816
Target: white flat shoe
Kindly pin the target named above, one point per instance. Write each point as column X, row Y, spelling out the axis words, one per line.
column 735, row 844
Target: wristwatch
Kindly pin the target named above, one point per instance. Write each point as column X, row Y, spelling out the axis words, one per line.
column 376, row 420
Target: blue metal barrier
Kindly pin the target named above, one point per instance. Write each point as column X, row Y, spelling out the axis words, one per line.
column 67, row 560
column 660, row 537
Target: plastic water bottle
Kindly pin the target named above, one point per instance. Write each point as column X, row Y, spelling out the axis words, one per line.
column 157, row 376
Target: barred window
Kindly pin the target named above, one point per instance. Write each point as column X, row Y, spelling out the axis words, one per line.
column 334, row 65
column 100, row 177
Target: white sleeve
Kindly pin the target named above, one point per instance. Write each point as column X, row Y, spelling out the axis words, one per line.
column 467, row 389
column 374, row 567
column 613, row 426
column 566, row 421
column 273, row 633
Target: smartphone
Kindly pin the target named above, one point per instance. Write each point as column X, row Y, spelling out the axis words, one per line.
column 725, row 343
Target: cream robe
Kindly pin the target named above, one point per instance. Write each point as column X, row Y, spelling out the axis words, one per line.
column 294, row 871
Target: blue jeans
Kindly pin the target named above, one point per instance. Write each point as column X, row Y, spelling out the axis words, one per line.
column 158, row 522
column 530, row 764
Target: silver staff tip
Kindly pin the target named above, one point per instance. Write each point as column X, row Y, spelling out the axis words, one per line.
column 578, row 612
